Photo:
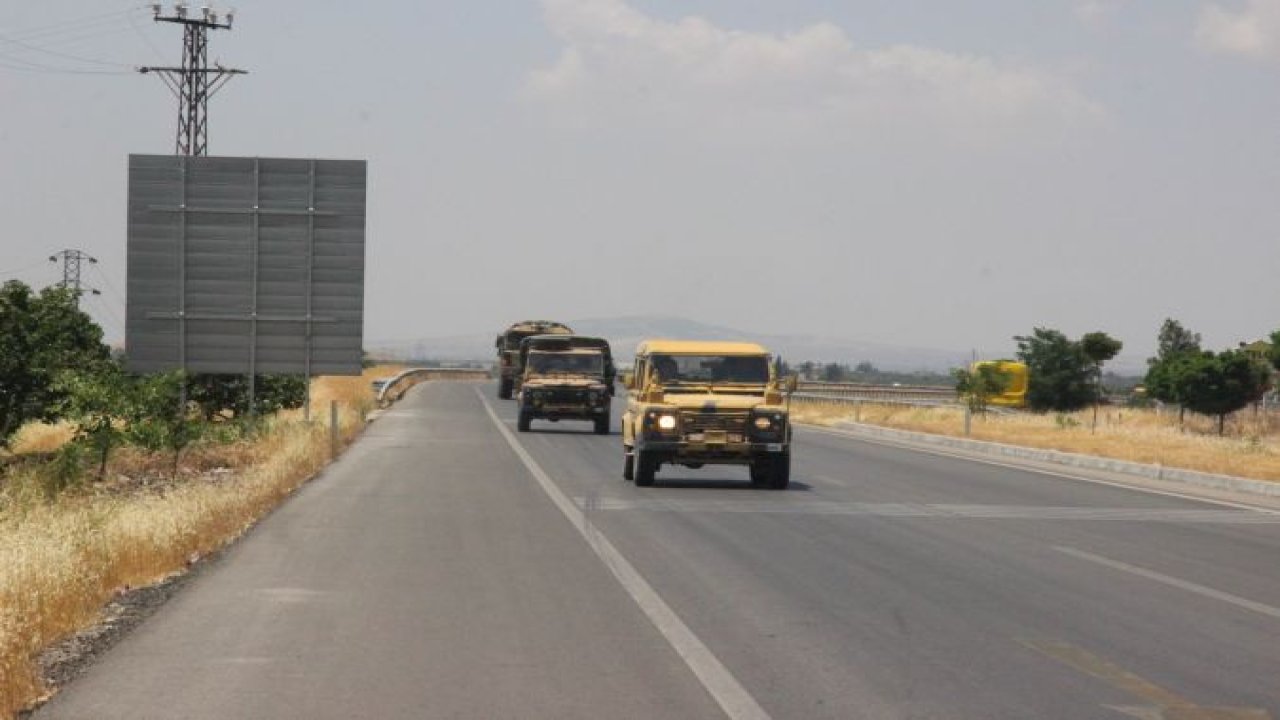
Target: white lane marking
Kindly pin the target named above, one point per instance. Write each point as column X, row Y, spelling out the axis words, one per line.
column 733, row 698
column 937, row 510
column 1173, row 582
column 1040, row 471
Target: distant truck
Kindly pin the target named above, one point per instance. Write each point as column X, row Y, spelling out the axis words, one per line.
column 696, row 403
column 508, row 344
column 565, row 377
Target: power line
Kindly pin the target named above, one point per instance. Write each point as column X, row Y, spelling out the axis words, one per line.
column 55, row 53
column 195, row 82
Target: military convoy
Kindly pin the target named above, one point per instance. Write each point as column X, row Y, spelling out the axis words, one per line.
column 689, row 403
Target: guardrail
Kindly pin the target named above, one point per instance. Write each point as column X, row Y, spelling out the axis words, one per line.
column 385, row 387
column 900, row 394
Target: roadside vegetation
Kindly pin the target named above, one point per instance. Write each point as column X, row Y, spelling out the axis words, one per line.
column 69, row 542
column 1249, row 448
column 1196, row 409
column 111, row 482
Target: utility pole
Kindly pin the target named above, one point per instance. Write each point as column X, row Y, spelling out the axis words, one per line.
column 71, row 261
column 195, row 82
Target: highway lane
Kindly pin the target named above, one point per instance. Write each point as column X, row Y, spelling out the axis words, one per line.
column 893, row 583
column 429, row 574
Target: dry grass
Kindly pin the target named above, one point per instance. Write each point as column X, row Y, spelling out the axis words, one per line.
column 34, row 438
column 61, row 561
column 1251, row 447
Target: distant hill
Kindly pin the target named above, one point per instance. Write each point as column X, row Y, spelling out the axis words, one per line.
column 624, row 333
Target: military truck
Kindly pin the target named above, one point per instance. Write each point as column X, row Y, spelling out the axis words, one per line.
column 565, row 377
column 508, row 344
column 696, row 403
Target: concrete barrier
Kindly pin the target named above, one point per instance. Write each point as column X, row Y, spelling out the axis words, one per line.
column 1056, row 457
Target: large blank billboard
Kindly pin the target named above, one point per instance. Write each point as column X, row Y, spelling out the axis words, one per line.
column 245, row 265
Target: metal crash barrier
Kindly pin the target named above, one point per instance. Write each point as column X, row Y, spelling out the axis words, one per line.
column 393, row 388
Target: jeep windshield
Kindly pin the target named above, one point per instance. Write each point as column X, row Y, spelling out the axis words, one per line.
column 545, row 363
column 711, row 369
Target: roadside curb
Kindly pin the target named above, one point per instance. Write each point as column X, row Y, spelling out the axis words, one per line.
column 1075, row 460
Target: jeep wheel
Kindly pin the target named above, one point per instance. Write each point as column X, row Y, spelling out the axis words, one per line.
column 646, row 467
column 524, row 420
column 602, row 425
column 759, row 471
column 504, row 388
column 628, row 464
column 780, row 472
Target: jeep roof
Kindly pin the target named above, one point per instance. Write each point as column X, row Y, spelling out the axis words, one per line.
column 699, row 347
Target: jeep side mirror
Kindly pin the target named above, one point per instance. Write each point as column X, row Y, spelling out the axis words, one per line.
column 790, row 384
column 629, row 380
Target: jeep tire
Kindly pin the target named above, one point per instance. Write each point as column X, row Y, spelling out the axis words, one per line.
column 602, row 425
column 524, row 420
column 646, row 466
column 505, row 385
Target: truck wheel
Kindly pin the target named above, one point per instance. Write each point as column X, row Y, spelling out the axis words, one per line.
column 759, row 472
column 524, row 420
column 602, row 425
column 628, row 464
column 780, row 472
column 646, row 467
column 504, row 388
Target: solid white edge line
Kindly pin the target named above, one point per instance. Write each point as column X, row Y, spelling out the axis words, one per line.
column 1039, row 471
column 1187, row 585
column 733, row 698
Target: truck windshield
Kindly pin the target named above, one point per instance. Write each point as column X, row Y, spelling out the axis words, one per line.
column 578, row 363
column 712, row 368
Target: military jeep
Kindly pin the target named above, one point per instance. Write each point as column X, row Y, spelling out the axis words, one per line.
column 508, row 344
column 565, row 377
column 696, row 403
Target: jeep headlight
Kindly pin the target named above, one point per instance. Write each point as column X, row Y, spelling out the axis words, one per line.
column 762, row 423
column 666, row 422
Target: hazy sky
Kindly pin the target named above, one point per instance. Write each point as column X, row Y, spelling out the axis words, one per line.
column 935, row 174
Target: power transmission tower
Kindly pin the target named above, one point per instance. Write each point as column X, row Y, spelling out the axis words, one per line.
column 71, row 261
column 195, row 82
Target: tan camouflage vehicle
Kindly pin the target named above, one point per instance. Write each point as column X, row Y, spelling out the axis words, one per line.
column 696, row 403
column 508, row 344
column 565, row 377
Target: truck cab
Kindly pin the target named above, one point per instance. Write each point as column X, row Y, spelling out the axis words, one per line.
column 696, row 403
column 565, row 377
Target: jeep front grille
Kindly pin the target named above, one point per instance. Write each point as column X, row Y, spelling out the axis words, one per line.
column 696, row 422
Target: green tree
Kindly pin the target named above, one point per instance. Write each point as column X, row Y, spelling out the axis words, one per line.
column 977, row 385
column 1274, row 353
column 157, row 419
column 41, row 335
column 1173, row 339
column 1175, row 347
column 834, row 372
column 1060, row 374
column 218, row 395
column 1099, row 347
column 97, row 402
column 1220, row 384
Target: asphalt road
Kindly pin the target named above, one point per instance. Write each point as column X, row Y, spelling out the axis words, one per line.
column 448, row 567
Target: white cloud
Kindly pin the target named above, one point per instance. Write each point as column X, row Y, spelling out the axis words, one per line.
column 617, row 63
column 1096, row 12
column 1252, row 31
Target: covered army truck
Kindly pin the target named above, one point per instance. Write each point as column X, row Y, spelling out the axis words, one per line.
column 508, row 344
column 696, row 403
column 565, row 377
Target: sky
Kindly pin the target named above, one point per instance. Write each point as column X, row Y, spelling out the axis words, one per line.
column 922, row 173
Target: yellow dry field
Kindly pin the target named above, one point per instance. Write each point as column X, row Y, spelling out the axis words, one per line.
column 1250, row 447
column 61, row 561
